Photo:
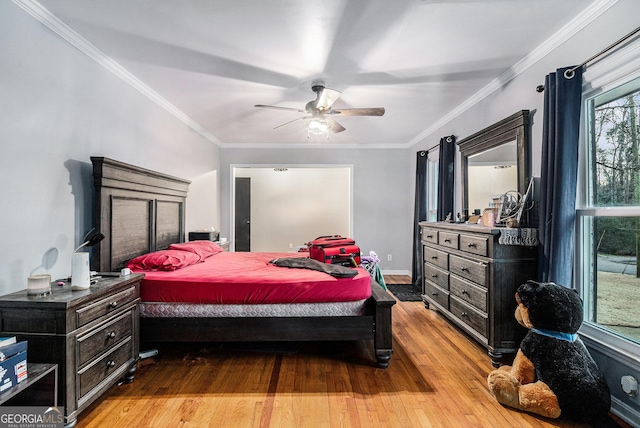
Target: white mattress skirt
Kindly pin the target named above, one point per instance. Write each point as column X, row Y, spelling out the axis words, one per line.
column 196, row 310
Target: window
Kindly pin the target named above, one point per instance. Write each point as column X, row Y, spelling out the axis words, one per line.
column 608, row 214
column 432, row 185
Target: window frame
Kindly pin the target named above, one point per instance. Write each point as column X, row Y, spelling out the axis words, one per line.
column 616, row 69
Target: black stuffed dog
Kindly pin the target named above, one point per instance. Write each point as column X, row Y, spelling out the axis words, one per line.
column 553, row 374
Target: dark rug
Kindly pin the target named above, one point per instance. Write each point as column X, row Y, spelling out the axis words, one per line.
column 406, row 292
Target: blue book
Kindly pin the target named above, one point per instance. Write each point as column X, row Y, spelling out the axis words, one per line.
column 13, row 349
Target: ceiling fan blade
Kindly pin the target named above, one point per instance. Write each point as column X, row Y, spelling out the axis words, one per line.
column 279, row 108
column 290, row 122
column 335, row 126
column 326, row 98
column 373, row 111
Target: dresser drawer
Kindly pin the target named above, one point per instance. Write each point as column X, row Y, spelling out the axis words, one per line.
column 105, row 306
column 469, row 292
column 436, row 275
column 448, row 239
column 470, row 316
column 436, row 257
column 101, row 368
column 437, row 294
column 475, row 244
column 430, row 235
column 472, row 270
column 99, row 340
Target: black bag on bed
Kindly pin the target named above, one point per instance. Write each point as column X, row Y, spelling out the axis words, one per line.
column 337, row 271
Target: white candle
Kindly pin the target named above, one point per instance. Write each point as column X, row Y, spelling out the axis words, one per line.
column 39, row 284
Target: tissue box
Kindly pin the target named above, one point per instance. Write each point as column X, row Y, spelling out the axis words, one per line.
column 13, row 370
column 203, row 236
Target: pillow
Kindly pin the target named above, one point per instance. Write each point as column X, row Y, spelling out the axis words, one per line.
column 165, row 260
column 202, row 248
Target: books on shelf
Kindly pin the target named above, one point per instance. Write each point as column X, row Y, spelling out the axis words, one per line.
column 9, row 351
column 7, row 340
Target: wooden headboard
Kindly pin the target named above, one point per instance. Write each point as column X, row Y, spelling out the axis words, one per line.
column 138, row 211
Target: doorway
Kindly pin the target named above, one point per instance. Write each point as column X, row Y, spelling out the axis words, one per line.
column 291, row 205
column 242, row 229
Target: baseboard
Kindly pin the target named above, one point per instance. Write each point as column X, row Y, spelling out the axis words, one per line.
column 396, row 272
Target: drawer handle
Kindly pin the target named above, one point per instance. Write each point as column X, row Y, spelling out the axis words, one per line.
column 471, row 245
column 111, row 334
column 429, row 236
column 111, row 364
column 464, row 269
column 435, row 293
column 464, row 314
column 465, row 292
column 113, row 304
column 434, row 275
column 447, row 240
column 434, row 257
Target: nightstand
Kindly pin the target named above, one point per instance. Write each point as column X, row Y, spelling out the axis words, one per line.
column 92, row 335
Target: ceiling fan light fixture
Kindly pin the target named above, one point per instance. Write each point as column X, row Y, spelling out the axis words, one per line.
column 318, row 126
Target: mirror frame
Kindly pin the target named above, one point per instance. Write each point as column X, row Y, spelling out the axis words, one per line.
column 515, row 127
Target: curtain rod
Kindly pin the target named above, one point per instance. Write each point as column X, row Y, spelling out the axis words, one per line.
column 449, row 140
column 569, row 73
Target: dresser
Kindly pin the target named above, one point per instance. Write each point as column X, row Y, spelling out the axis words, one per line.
column 92, row 335
column 471, row 278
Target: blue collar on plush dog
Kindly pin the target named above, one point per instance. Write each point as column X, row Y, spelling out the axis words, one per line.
column 556, row 334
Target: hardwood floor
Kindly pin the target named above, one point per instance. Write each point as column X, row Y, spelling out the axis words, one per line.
column 436, row 378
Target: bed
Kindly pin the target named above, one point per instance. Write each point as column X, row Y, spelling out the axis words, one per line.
column 142, row 211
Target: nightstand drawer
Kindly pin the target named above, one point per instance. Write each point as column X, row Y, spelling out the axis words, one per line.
column 472, row 270
column 105, row 306
column 101, row 368
column 469, row 292
column 436, row 257
column 470, row 316
column 98, row 341
column 436, row 275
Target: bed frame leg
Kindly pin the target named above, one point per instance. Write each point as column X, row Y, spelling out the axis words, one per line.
column 382, row 357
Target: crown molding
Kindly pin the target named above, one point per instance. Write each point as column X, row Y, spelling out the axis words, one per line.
column 570, row 29
column 323, row 145
column 52, row 22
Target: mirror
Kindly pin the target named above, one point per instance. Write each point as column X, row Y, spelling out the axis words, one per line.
column 494, row 161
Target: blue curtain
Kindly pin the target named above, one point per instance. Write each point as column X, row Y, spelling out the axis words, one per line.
column 558, row 175
column 419, row 214
column 445, row 177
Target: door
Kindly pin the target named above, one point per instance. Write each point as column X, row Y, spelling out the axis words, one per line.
column 242, row 232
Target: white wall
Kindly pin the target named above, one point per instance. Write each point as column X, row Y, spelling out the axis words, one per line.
column 290, row 208
column 58, row 107
column 381, row 204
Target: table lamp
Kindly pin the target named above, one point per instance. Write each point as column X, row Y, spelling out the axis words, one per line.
column 80, row 270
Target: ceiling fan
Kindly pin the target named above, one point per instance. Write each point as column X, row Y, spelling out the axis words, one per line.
column 319, row 118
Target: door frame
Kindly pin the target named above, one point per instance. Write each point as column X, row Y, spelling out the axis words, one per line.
column 232, row 190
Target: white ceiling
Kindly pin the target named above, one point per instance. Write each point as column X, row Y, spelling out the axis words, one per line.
column 212, row 60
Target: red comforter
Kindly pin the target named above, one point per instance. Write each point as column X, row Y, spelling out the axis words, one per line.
column 248, row 278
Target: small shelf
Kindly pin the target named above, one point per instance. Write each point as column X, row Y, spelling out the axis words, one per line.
column 40, row 388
